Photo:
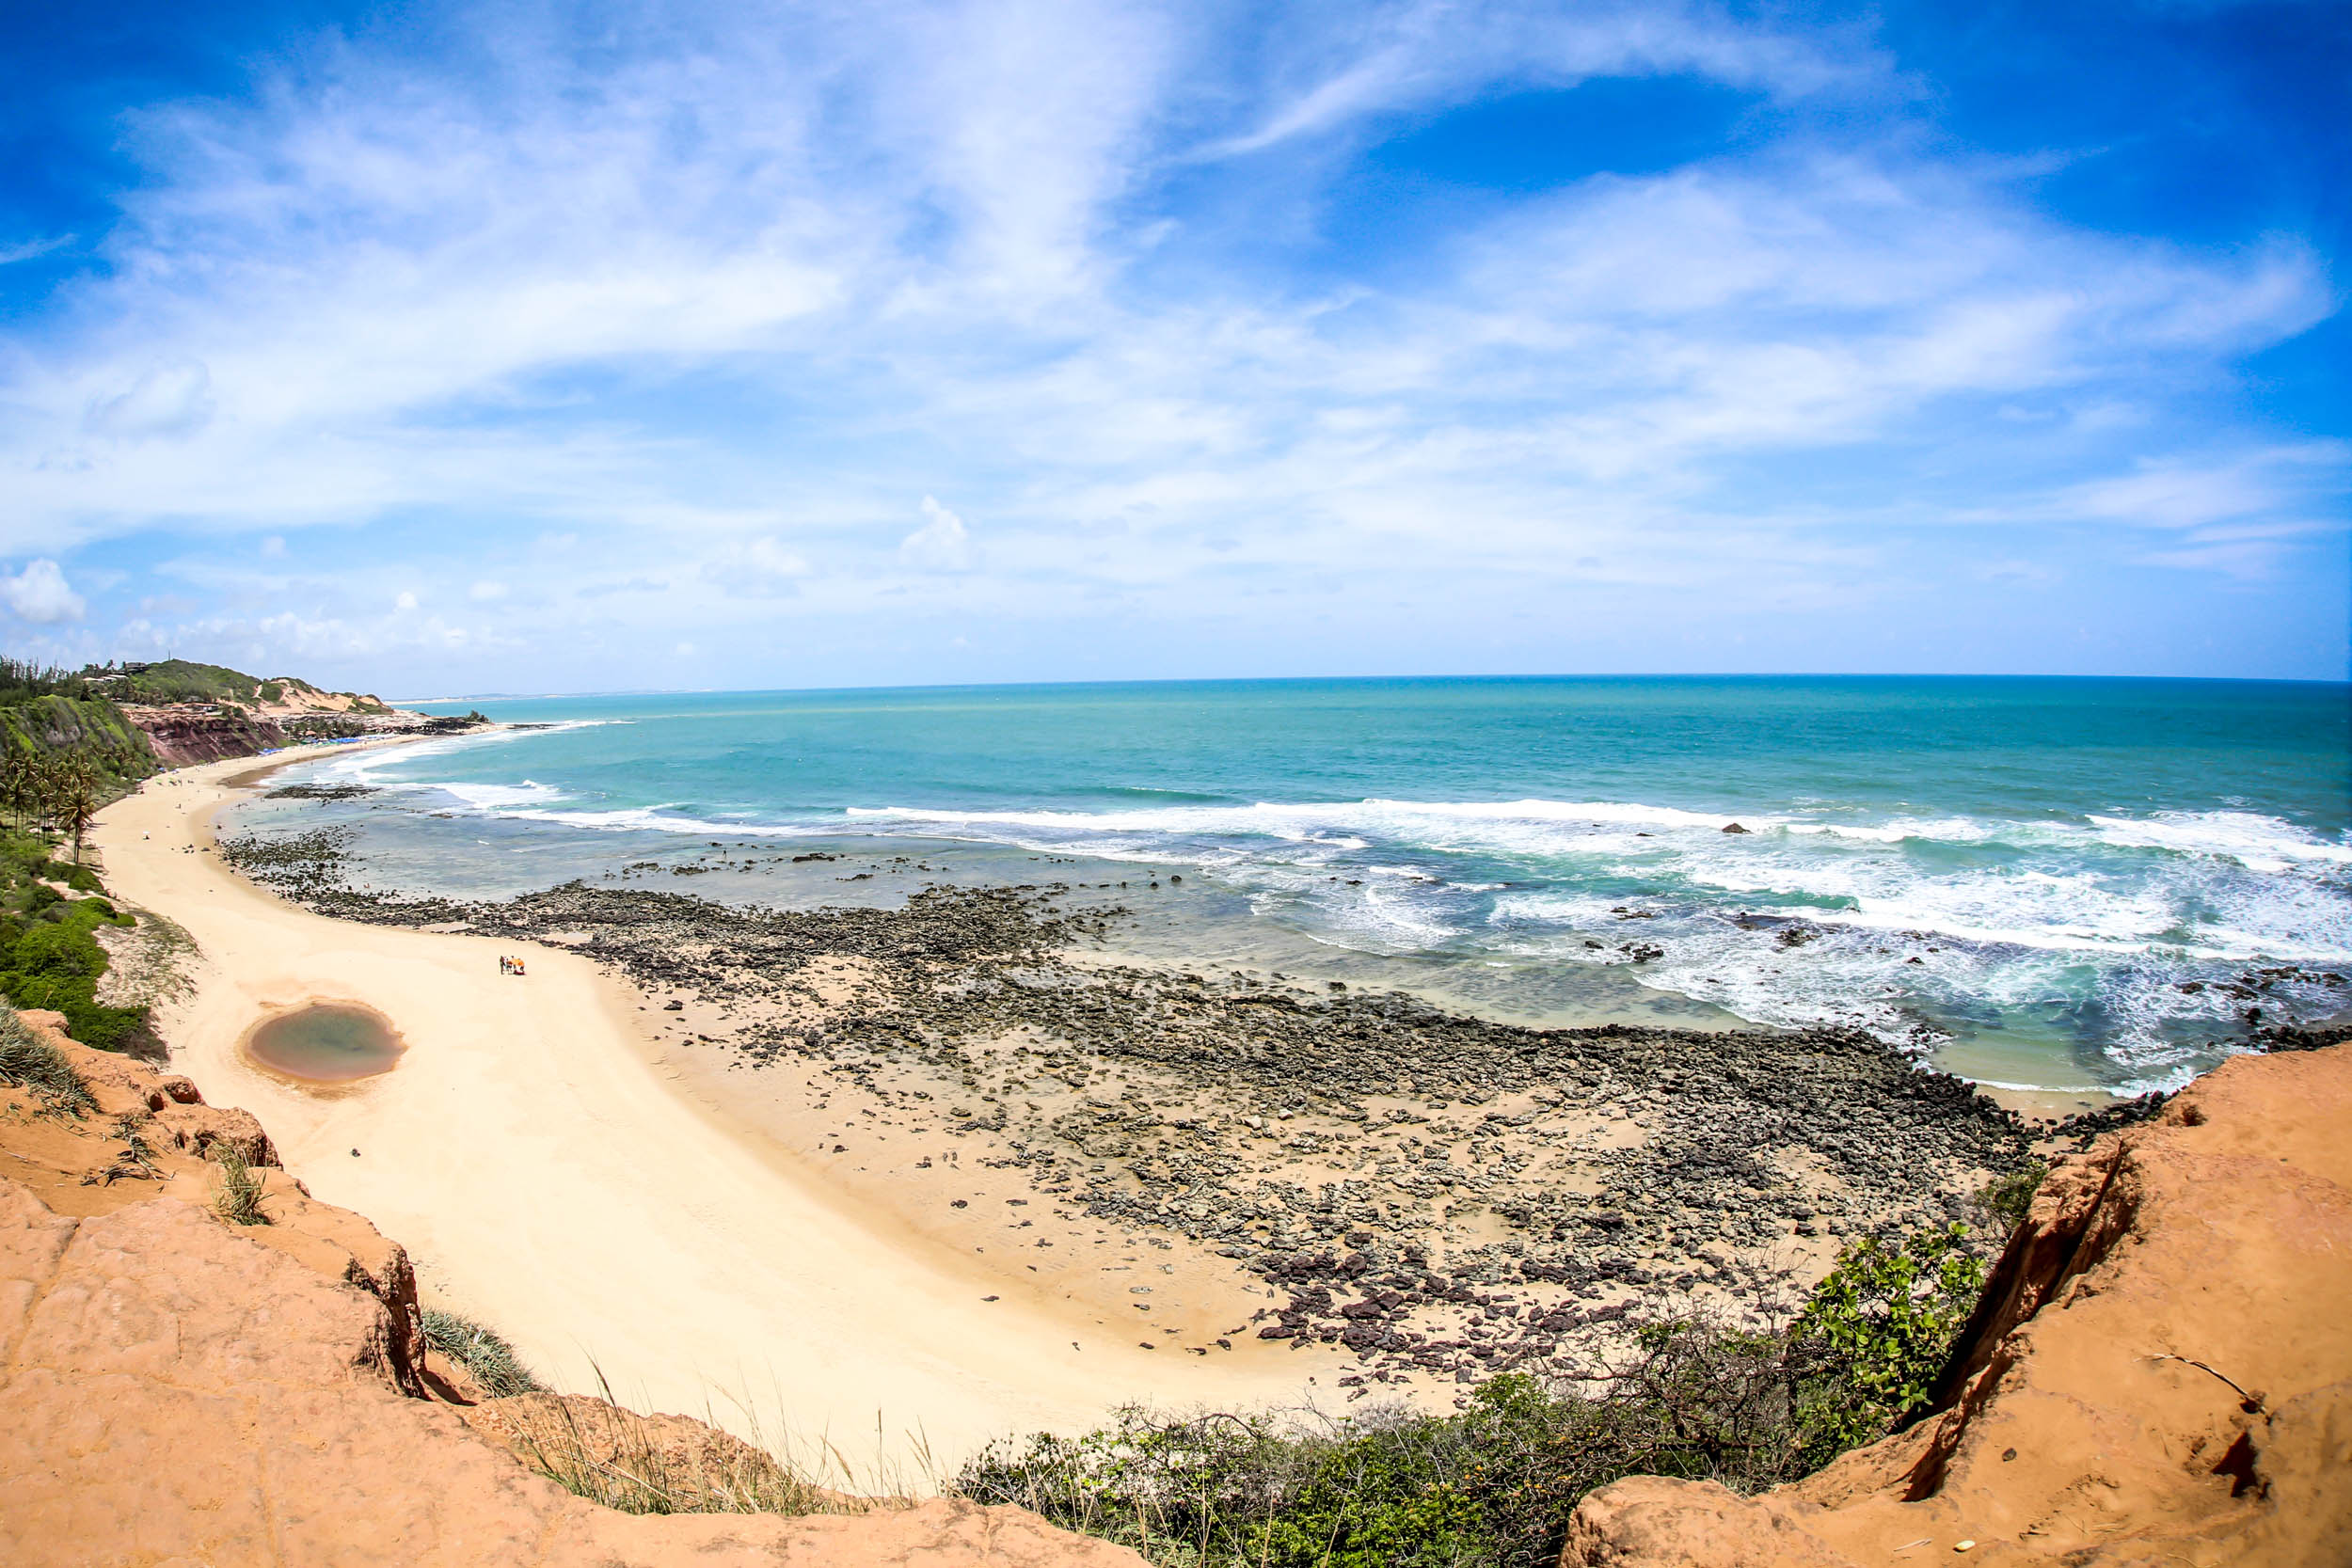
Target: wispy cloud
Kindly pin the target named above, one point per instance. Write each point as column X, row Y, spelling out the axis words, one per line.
column 28, row 250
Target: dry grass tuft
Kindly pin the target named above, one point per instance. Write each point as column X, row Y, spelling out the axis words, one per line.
column 593, row 1449
column 493, row 1363
column 33, row 1063
column 236, row 1192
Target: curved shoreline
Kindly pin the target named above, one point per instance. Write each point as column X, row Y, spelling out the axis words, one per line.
column 536, row 1155
column 1994, row 1068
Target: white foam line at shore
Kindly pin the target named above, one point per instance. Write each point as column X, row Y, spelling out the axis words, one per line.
column 2054, row 922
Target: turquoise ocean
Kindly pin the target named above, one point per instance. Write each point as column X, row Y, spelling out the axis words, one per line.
column 2072, row 884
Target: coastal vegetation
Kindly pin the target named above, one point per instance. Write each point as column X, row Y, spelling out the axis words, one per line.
column 1750, row 1400
column 60, row 736
column 32, row 1063
column 2006, row 1197
column 49, row 952
column 598, row 1449
column 1688, row 1394
column 237, row 1193
column 180, row 680
column 486, row 1357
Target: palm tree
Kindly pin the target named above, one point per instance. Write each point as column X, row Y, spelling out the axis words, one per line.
column 78, row 802
column 50, row 789
column 18, row 771
column 42, row 789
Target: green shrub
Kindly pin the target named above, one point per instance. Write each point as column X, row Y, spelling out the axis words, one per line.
column 1868, row 1345
column 81, row 878
column 33, row 1063
column 2006, row 1198
column 1493, row 1484
column 488, row 1358
column 51, row 961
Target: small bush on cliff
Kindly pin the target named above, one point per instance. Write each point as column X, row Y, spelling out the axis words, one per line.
column 1494, row 1484
column 1868, row 1345
column 488, row 1360
column 598, row 1451
column 33, row 1063
column 2006, row 1198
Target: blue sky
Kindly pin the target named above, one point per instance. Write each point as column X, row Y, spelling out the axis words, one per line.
column 558, row 347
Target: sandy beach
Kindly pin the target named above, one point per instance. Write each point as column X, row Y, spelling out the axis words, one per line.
column 540, row 1159
column 1225, row 1158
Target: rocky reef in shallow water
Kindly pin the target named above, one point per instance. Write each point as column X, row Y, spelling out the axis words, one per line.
column 1446, row 1196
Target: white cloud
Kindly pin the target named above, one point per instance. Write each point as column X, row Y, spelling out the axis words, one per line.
column 941, row 544
column 406, row 602
column 1395, row 57
column 173, row 399
column 486, row 591
column 762, row 566
column 2243, row 560
column 2186, row 492
column 770, row 558
column 41, row 594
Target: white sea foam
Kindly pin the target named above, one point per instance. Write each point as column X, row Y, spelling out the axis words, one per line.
column 665, row 820
column 1947, row 830
column 2257, row 841
column 372, row 767
column 501, row 799
column 1835, row 874
column 1503, row 825
column 2090, row 919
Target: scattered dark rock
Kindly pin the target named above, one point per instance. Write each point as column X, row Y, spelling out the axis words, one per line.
column 1187, row 1107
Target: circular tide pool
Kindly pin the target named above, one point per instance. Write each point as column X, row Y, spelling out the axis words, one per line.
column 328, row 1042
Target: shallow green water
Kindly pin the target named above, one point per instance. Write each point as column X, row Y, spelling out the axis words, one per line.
column 326, row 1043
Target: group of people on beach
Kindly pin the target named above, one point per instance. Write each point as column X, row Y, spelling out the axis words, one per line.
column 510, row 966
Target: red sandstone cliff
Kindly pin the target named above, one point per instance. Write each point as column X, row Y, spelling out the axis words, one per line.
column 2160, row 1373
column 182, row 734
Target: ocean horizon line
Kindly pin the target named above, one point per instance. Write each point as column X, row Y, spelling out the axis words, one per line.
column 1490, row 678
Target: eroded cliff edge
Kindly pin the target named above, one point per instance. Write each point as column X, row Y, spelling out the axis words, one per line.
column 175, row 1389
column 2160, row 1371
